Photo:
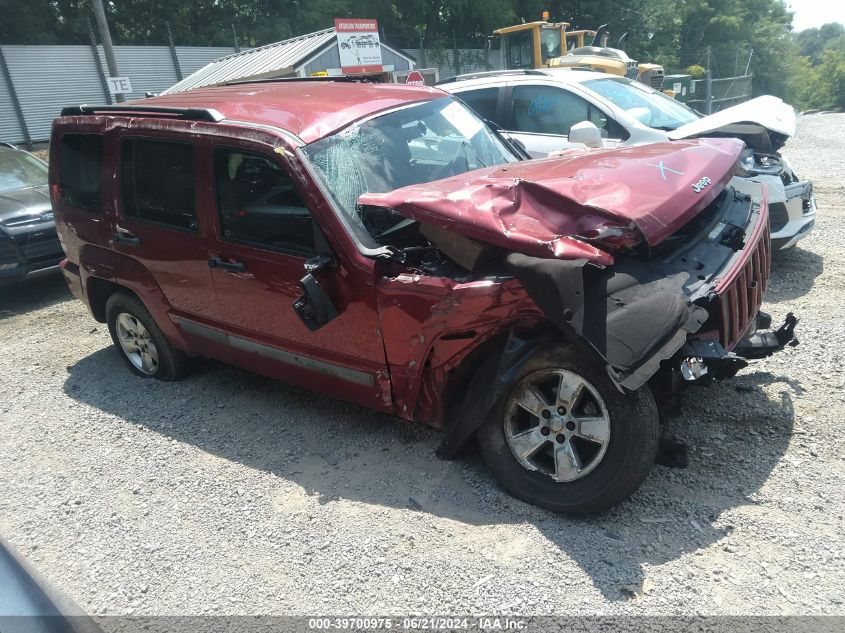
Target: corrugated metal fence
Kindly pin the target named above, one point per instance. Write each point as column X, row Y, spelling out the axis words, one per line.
column 44, row 79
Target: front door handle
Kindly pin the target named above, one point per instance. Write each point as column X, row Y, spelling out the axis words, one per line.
column 235, row 267
column 126, row 238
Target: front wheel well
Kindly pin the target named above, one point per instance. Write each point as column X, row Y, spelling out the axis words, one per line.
column 455, row 389
column 478, row 383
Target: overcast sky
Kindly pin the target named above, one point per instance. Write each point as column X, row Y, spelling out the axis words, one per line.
column 810, row 13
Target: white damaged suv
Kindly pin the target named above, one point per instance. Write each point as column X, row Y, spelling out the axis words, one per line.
column 555, row 109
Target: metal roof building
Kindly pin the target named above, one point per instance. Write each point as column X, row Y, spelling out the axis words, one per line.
column 297, row 57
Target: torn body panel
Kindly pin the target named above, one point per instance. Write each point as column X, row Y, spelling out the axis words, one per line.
column 543, row 208
column 633, row 315
column 431, row 325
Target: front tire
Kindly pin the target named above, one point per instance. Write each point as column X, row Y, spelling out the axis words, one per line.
column 566, row 439
column 140, row 341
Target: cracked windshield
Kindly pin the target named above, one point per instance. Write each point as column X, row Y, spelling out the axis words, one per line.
column 420, row 143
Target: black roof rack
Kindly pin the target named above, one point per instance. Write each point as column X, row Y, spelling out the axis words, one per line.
column 491, row 73
column 272, row 80
column 188, row 114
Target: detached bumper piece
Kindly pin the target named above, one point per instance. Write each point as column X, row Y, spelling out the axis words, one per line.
column 707, row 359
column 764, row 344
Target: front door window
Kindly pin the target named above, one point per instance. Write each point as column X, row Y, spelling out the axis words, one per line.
column 259, row 205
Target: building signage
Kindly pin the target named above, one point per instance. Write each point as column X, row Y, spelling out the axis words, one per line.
column 358, row 45
column 119, row 85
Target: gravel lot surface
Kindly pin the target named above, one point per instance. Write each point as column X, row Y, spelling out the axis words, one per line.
column 229, row 493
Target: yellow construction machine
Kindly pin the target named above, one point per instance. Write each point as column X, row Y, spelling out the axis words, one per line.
column 545, row 44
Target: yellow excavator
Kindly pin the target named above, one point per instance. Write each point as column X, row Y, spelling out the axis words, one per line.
column 545, row 44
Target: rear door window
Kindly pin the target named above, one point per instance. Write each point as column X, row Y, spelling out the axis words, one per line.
column 258, row 203
column 80, row 162
column 157, row 182
column 484, row 101
column 547, row 110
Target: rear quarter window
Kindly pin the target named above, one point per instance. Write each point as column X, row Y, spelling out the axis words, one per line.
column 484, row 101
column 80, row 163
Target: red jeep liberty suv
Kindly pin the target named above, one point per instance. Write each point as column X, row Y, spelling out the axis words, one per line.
column 384, row 245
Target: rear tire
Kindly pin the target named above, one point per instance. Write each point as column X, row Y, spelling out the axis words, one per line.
column 566, row 439
column 140, row 342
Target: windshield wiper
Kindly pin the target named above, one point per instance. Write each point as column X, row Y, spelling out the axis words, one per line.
column 466, row 143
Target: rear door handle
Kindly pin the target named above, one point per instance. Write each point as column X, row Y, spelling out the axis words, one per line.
column 126, row 238
column 235, row 267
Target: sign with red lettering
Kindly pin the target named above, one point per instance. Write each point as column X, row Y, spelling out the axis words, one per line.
column 358, row 45
column 415, row 78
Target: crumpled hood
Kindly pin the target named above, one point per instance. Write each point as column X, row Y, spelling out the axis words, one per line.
column 21, row 202
column 538, row 207
column 766, row 114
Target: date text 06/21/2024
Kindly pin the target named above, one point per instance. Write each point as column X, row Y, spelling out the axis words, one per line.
column 483, row 623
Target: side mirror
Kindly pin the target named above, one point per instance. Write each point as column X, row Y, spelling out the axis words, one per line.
column 586, row 133
column 314, row 306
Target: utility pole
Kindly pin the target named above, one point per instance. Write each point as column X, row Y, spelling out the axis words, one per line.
column 235, row 35
column 105, row 36
column 708, row 87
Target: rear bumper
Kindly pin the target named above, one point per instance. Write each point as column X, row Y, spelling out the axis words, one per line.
column 72, row 277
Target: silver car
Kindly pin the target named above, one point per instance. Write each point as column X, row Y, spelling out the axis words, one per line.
column 555, row 109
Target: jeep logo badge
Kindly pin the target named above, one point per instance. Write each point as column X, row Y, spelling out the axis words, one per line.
column 701, row 184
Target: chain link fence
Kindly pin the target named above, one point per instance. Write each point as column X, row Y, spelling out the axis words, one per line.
column 724, row 93
column 728, row 80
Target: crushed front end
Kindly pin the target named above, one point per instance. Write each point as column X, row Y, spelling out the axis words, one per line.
column 686, row 309
column 729, row 264
column 647, row 255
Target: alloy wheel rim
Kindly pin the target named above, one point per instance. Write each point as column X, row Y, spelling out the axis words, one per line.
column 137, row 343
column 556, row 423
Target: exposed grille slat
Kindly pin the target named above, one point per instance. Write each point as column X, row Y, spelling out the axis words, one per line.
column 740, row 302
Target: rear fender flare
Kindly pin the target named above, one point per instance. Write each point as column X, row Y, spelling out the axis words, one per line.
column 127, row 273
